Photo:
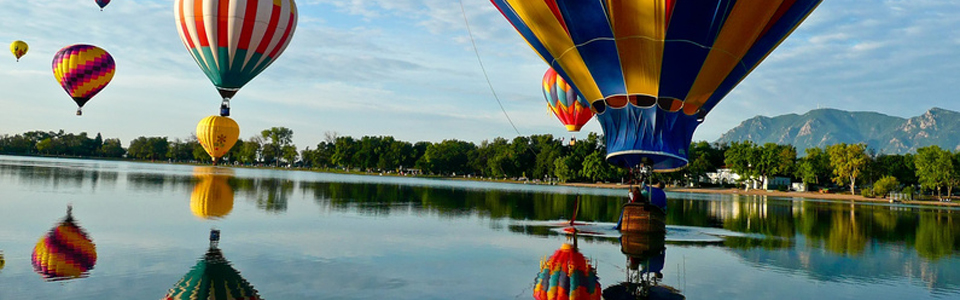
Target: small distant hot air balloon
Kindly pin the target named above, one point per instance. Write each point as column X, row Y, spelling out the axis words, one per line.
column 83, row 71
column 102, row 3
column 212, row 197
column 567, row 274
column 217, row 135
column 19, row 48
column 212, row 278
column 565, row 102
column 66, row 252
column 2, row 262
column 233, row 41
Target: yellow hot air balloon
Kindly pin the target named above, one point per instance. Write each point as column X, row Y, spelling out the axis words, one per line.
column 212, row 197
column 217, row 135
column 19, row 48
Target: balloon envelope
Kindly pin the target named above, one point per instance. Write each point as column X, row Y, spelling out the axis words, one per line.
column 217, row 135
column 212, row 278
column 653, row 69
column 102, row 3
column 83, row 71
column 567, row 275
column 212, row 197
column 233, row 41
column 66, row 252
column 565, row 102
column 19, row 48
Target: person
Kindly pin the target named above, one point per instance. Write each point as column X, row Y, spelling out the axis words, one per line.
column 657, row 196
column 637, row 196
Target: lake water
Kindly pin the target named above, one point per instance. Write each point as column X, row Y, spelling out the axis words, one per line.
column 306, row 235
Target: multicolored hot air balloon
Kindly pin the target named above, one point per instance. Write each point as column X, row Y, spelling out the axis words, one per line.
column 567, row 275
column 83, row 71
column 217, row 135
column 233, row 41
column 102, row 3
column 212, row 278
column 19, row 48
column 212, row 197
column 66, row 252
column 652, row 70
column 565, row 102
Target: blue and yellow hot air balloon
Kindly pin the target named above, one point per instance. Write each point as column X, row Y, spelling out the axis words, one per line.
column 653, row 69
column 233, row 41
column 565, row 102
column 83, row 71
column 66, row 252
column 102, row 3
column 19, row 49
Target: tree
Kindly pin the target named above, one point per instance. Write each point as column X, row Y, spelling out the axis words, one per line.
column 885, row 185
column 740, row 158
column 250, row 150
column 847, row 162
column 814, row 168
column 934, row 168
column 276, row 139
column 562, row 168
column 112, row 148
column 596, row 168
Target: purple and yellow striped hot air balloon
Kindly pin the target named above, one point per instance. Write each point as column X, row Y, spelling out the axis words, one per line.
column 234, row 40
column 83, row 71
column 567, row 275
column 565, row 102
column 66, row 252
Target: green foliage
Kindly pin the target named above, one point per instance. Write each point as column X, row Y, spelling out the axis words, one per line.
column 885, row 185
column 868, row 193
column 814, row 168
column 934, row 167
column 848, row 161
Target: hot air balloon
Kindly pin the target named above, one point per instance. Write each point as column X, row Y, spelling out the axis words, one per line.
column 19, row 48
column 212, row 278
column 2, row 262
column 217, row 135
column 212, row 197
column 567, row 274
column 102, row 3
column 652, row 70
column 66, row 252
column 83, row 71
column 233, row 41
column 565, row 102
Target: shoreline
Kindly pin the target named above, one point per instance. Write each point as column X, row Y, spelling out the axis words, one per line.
column 808, row 195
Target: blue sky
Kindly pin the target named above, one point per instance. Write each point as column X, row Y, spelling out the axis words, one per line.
column 406, row 68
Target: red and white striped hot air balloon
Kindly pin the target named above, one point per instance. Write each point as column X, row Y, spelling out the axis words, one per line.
column 234, row 40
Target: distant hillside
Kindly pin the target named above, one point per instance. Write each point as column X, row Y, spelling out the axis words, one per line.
column 824, row 127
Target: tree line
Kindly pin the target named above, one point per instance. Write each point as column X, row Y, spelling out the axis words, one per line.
column 535, row 157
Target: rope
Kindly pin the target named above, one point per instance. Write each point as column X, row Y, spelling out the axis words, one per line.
column 484, row 69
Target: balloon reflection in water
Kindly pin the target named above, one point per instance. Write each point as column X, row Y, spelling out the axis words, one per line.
column 212, row 197
column 213, row 278
column 645, row 258
column 567, row 274
column 2, row 262
column 66, row 252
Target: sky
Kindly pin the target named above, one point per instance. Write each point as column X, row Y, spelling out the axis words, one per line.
column 408, row 69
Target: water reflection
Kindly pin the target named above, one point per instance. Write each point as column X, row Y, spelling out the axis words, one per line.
column 567, row 274
column 212, row 196
column 212, row 277
column 646, row 254
column 66, row 252
column 76, row 177
column 2, row 261
column 269, row 194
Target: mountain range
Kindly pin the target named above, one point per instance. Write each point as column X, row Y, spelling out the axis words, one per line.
column 824, row 127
